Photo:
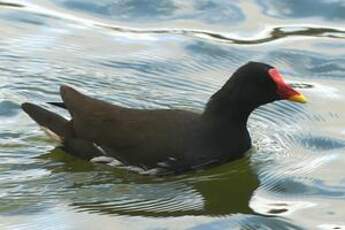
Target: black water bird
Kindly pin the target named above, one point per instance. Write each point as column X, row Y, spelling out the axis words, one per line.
column 175, row 139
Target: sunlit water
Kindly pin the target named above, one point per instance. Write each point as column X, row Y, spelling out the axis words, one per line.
column 174, row 54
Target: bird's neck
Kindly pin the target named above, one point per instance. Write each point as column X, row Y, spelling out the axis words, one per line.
column 228, row 112
column 226, row 127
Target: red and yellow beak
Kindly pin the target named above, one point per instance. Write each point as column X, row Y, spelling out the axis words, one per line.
column 298, row 98
column 284, row 90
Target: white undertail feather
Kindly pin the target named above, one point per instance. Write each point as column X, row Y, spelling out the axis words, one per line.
column 51, row 134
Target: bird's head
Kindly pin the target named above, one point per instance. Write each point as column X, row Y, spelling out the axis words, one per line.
column 262, row 83
column 252, row 85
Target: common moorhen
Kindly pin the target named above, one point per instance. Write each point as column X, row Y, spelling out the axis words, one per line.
column 175, row 139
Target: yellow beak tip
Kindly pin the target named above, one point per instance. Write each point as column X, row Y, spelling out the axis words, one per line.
column 298, row 98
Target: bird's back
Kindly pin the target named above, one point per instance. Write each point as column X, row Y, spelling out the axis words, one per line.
column 136, row 136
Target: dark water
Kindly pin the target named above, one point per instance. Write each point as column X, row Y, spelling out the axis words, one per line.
column 174, row 54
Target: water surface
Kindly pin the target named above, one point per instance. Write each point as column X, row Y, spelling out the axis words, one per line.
column 174, row 54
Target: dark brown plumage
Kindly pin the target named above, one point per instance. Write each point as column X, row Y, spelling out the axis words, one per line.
column 175, row 139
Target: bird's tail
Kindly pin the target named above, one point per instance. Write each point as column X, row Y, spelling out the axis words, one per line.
column 58, row 104
column 62, row 129
column 46, row 118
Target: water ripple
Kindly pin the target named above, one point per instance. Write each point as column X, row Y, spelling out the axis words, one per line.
column 294, row 168
column 271, row 34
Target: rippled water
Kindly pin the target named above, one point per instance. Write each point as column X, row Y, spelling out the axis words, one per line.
column 174, row 54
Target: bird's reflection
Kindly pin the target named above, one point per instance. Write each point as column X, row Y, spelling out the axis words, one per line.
column 217, row 191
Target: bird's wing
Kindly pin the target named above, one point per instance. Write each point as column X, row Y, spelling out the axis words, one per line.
column 130, row 131
column 78, row 103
